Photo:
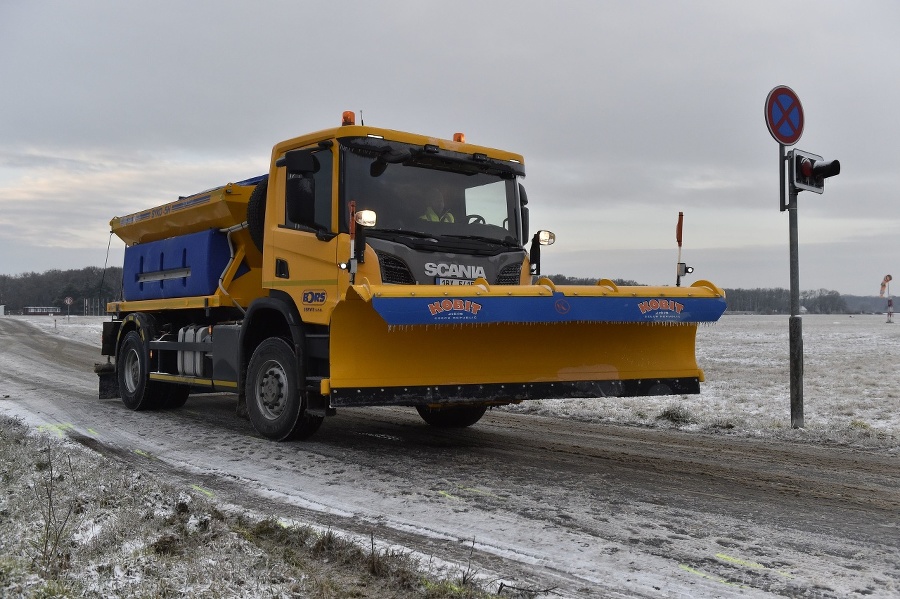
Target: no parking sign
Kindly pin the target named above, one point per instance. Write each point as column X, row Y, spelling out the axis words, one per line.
column 784, row 115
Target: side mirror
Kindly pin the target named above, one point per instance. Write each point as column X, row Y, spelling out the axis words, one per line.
column 523, row 202
column 299, row 162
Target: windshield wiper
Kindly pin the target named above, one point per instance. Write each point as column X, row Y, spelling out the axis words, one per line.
column 509, row 241
column 406, row 232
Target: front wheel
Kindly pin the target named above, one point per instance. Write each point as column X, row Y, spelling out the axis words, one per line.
column 453, row 416
column 274, row 393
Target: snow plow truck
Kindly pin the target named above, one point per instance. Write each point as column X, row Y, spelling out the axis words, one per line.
column 374, row 267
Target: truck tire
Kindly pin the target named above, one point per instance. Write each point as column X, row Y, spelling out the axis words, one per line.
column 275, row 391
column 256, row 213
column 136, row 389
column 452, row 417
column 172, row 396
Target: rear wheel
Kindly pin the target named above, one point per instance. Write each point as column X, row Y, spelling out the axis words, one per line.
column 173, row 396
column 452, row 416
column 274, row 393
column 133, row 372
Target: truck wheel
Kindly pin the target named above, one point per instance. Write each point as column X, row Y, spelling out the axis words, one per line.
column 173, row 396
column 275, row 393
column 452, row 417
column 133, row 372
column 256, row 213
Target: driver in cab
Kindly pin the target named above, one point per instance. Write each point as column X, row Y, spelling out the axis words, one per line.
column 434, row 208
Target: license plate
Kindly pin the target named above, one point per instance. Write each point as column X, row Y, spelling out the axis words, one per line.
column 440, row 281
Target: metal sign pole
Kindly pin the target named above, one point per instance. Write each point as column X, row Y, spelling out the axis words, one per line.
column 795, row 325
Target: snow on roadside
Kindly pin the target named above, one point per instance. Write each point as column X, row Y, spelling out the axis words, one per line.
column 74, row 523
column 83, row 329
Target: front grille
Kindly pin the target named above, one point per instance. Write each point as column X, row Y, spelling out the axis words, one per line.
column 510, row 274
column 394, row 271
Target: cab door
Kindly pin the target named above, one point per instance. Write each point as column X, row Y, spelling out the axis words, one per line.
column 301, row 253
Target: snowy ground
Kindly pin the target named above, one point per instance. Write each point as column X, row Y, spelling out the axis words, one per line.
column 851, row 393
column 851, row 397
column 84, row 329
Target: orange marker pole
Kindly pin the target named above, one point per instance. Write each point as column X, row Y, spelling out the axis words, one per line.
column 678, row 238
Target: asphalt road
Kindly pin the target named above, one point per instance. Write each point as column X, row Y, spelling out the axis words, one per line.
column 541, row 503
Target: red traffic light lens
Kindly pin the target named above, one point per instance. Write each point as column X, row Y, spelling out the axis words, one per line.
column 806, row 167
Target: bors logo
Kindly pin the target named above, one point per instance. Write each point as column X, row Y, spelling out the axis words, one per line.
column 315, row 297
column 460, row 271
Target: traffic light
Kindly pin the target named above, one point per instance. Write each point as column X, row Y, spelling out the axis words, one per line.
column 809, row 171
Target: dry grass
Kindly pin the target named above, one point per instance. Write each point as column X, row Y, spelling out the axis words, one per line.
column 76, row 524
column 676, row 414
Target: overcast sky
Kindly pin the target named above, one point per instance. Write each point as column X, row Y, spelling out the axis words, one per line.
column 626, row 113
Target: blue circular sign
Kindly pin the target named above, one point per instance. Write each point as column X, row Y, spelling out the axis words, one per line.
column 784, row 115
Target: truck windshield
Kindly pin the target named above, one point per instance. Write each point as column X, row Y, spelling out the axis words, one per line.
column 435, row 194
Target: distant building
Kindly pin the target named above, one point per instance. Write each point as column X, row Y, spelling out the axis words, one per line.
column 39, row 310
column 2, row 310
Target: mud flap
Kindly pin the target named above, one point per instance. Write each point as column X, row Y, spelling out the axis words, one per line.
column 109, row 383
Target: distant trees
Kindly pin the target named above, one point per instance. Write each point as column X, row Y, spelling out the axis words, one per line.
column 823, row 301
column 778, row 301
column 759, row 301
column 52, row 287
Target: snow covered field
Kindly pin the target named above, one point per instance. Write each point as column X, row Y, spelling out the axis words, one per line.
column 851, row 391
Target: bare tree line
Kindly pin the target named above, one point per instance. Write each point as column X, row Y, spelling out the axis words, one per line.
column 52, row 287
